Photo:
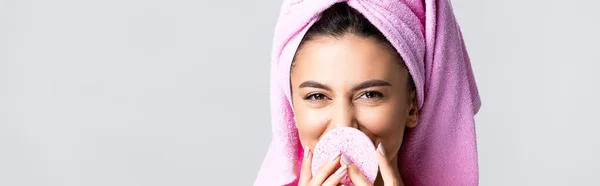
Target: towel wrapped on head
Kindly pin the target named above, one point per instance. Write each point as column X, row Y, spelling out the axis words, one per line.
column 441, row 149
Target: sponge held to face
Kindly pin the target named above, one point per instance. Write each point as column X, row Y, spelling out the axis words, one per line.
column 352, row 143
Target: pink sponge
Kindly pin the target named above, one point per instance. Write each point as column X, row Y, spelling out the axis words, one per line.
column 351, row 142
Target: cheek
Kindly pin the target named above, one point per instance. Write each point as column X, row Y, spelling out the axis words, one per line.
column 382, row 119
column 311, row 124
column 385, row 124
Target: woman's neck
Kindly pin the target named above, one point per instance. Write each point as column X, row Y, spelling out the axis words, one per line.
column 394, row 164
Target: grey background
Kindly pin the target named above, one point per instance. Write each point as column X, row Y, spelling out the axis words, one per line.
column 156, row 92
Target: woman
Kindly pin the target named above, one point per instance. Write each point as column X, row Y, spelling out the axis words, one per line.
column 395, row 70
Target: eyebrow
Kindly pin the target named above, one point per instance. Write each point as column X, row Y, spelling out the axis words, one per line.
column 314, row 84
column 371, row 83
column 363, row 85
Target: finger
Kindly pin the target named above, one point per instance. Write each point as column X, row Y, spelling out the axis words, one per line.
column 386, row 170
column 305, row 172
column 336, row 177
column 325, row 171
column 356, row 176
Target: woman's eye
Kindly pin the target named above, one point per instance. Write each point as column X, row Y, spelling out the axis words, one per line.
column 316, row 96
column 372, row 95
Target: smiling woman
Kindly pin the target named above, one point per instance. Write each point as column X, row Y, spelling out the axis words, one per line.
column 369, row 65
column 346, row 74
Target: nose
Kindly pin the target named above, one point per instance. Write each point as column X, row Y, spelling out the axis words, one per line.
column 343, row 115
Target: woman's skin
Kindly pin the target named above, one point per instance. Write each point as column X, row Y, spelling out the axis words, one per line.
column 351, row 81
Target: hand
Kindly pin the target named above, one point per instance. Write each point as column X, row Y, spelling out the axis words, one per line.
column 387, row 173
column 325, row 175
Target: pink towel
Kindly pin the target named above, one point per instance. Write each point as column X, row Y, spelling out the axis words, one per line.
column 441, row 149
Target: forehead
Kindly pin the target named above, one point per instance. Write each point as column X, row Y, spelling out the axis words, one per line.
column 349, row 58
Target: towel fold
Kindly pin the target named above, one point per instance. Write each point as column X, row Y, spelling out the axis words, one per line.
column 441, row 149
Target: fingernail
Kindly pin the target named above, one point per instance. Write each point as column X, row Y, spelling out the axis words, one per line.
column 345, row 160
column 306, row 151
column 335, row 156
column 342, row 170
column 381, row 150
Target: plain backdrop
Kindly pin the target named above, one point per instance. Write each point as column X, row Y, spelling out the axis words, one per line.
column 157, row 92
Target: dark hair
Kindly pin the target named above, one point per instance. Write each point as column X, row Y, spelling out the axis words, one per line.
column 341, row 19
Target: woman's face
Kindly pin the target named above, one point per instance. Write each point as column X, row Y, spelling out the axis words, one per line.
column 351, row 81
